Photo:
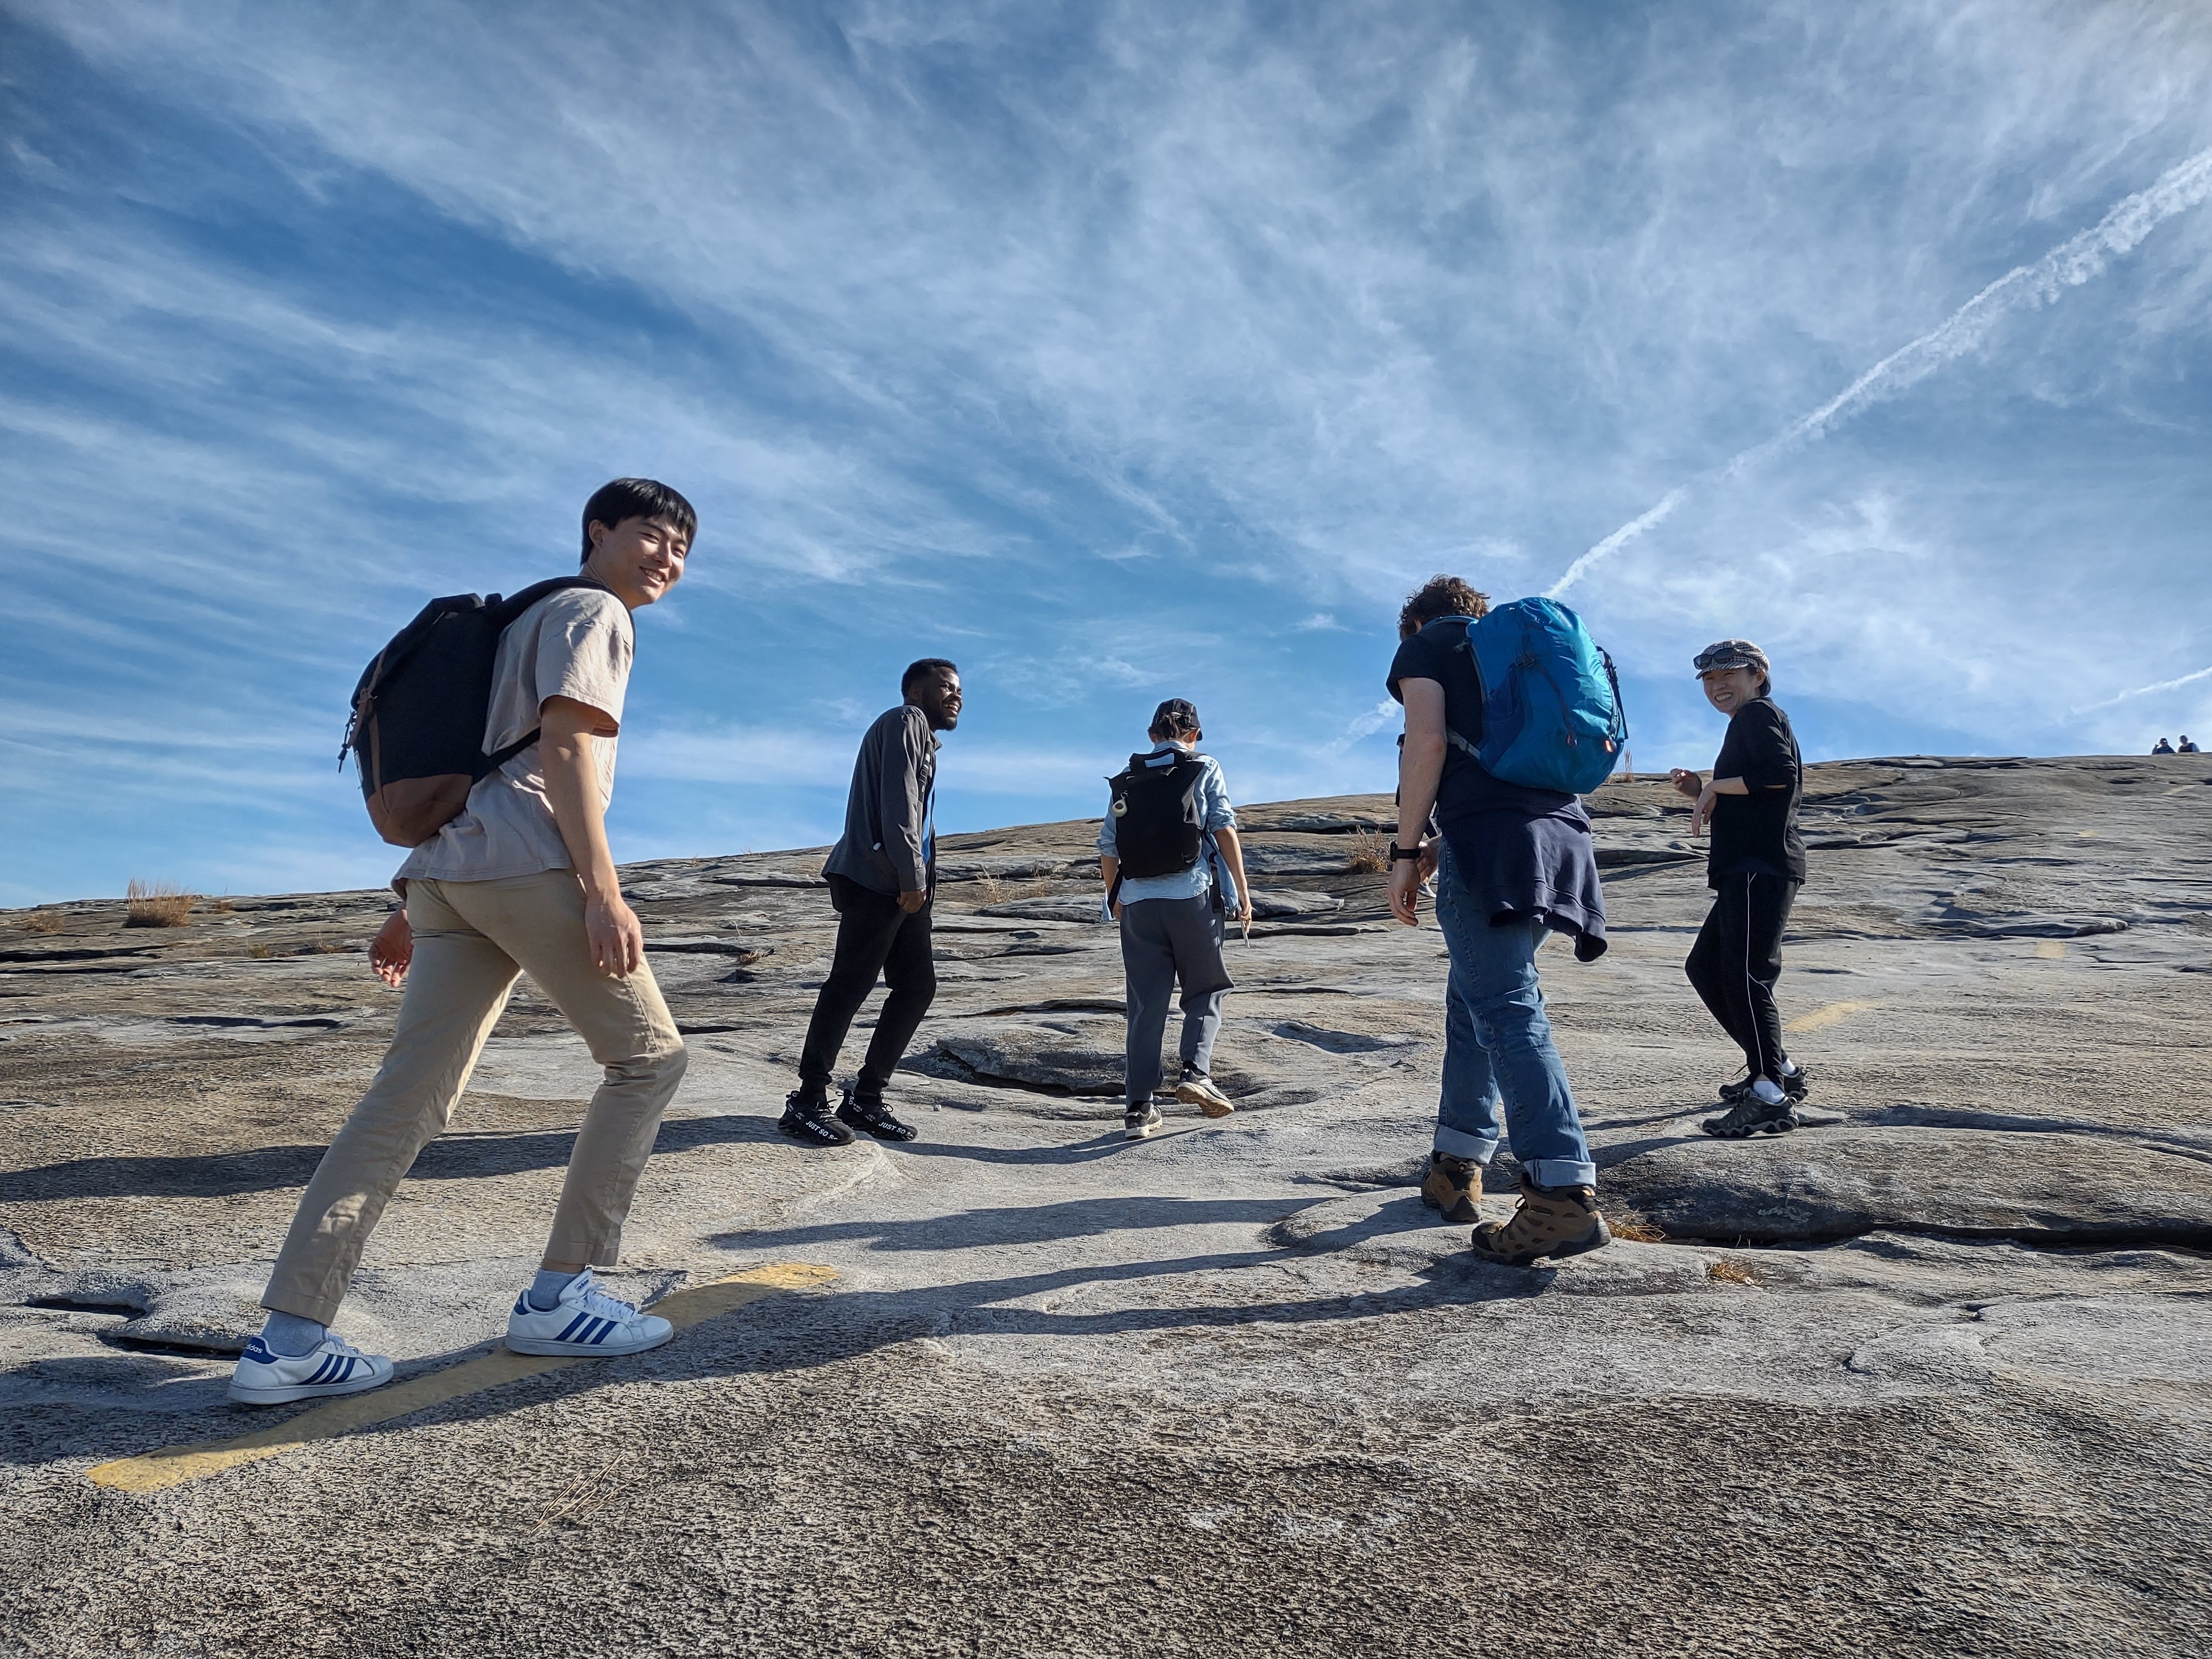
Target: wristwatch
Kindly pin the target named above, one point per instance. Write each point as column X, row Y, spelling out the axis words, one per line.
column 1398, row 852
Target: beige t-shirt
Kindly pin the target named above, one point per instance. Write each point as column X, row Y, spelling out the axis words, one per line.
column 577, row 644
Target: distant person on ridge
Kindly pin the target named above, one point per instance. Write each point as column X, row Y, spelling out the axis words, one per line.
column 2187, row 747
column 521, row 881
column 1755, row 867
column 2162, row 747
column 882, row 876
column 1512, row 864
column 1173, row 869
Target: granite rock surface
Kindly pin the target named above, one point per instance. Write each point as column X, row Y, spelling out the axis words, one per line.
column 1932, row 1375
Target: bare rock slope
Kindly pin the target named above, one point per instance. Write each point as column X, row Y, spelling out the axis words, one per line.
column 1930, row 1377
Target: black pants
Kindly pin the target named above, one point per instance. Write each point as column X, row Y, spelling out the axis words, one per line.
column 1737, row 960
column 874, row 936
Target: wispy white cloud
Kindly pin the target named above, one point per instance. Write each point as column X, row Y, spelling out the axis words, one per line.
column 2156, row 686
column 2077, row 259
column 1106, row 351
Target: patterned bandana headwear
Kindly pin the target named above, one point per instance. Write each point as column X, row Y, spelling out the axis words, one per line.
column 1733, row 653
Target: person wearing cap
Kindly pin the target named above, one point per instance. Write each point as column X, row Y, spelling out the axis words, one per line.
column 2162, row 747
column 1755, row 867
column 1172, row 924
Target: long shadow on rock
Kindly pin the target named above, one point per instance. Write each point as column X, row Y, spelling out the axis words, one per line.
column 1078, row 1217
column 457, row 1157
column 806, row 1331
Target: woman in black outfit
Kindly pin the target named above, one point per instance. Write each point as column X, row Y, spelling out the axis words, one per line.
column 1755, row 868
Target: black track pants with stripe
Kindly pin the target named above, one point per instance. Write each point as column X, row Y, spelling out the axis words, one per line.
column 1737, row 960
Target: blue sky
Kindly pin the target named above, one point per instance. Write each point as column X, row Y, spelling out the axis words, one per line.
column 1116, row 351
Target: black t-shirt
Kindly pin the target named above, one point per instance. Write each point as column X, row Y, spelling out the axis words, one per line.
column 1759, row 831
column 1434, row 654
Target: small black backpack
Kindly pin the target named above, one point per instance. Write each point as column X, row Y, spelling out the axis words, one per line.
column 1159, row 827
column 418, row 728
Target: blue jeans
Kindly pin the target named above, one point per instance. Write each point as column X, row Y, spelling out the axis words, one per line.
column 1497, row 1047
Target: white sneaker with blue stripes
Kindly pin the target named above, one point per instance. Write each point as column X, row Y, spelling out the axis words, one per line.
column 266, row 1377
column 586, row 1322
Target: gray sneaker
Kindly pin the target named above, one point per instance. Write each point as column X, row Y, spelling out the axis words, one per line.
column 1750, row 1116
column 1198, row 1089
column 1141, row 1123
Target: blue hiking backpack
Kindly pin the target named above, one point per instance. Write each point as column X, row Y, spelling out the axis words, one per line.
column 1552, row 713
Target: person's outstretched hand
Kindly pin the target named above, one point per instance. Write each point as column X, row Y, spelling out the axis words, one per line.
column 1687, row 783
column 1703, row 813
column 393, row 949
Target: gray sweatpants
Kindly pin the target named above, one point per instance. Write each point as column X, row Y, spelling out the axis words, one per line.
column 1164, row 940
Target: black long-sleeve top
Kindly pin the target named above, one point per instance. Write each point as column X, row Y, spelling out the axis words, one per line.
column 1759, row 831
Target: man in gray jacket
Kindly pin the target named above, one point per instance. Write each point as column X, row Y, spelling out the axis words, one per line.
column 882, row 872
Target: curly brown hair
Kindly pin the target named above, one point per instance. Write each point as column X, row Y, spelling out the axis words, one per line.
column 1439, row 596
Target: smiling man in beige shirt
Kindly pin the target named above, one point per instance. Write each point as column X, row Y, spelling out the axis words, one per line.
column 522, row 881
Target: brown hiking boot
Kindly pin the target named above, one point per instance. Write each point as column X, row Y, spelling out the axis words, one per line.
column 1551, row 1221
column 1454, row 1185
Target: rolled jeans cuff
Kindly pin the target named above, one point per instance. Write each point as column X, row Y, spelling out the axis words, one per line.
column 1458, row 1143
column 1562, row 1172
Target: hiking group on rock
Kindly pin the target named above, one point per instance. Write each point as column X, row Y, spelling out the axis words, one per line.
column 486, row 732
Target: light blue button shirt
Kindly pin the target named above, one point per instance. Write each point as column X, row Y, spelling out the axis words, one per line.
column 1218, row 814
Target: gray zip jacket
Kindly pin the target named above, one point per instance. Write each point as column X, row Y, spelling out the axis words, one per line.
column 885, row 847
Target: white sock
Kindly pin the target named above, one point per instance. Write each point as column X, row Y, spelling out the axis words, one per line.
column 545, row 1289
column 1790, row 1068
column 1766, row 1091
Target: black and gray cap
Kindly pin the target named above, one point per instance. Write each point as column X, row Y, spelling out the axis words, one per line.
column 1733, row 653
column 1176, row 714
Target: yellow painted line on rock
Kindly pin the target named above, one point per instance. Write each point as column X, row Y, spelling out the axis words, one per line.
column 173, row 1466
column 2050, row 950
column 1833, row 1014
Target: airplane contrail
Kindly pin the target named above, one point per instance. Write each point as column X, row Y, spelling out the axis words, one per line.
column 2174, row 685
column 2072, row 263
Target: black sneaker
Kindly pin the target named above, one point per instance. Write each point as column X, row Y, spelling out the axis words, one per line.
column 1794, row 1088
column 806, row 1117
column 1141, row 1123
column 872, row 1117
column 1751, row 1115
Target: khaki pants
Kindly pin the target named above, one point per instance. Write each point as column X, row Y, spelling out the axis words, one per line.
column 471, row 938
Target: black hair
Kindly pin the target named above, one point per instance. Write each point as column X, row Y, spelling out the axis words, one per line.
column 922, row 669
column 637, row 498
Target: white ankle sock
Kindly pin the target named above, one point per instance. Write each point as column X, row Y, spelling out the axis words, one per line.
column 1766, row 1091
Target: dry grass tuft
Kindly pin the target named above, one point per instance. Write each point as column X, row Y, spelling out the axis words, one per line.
column 1371, row 853
column 1635, row 1228
column 157, row 904
column 223, row 907
column 995, row 891
column 1729, row 1272
column 39, row 921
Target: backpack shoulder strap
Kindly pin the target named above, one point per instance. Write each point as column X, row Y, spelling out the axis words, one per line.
column 514, row 605
column 509, row 610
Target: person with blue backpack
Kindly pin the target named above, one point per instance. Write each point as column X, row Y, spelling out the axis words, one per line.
column 1510, row 714
column 486, row 733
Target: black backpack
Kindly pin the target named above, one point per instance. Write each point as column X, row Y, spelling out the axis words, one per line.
column 1159, row 827
column 418, row 728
